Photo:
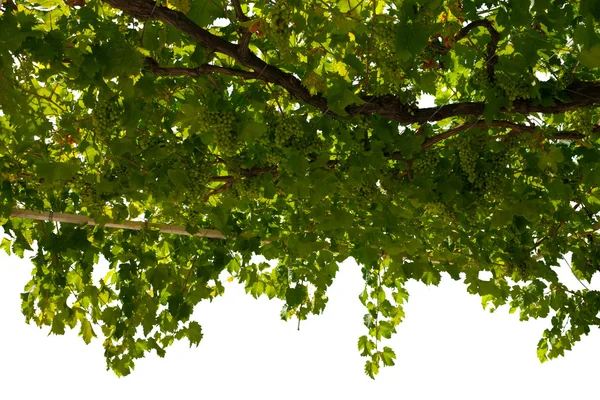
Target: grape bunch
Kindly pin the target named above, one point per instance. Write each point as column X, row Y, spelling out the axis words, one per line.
column 512, row 88
column 116, row 173
column 248, row 188
column 286, row 129
column 148, row 142
column 279, row 28
column 489, row 180
column 199, row 175
column 222, row 125
column 481, row 79
column 309, row 144
column 441, row 210
column 106, row 117
column 384, row 39
column 90, row 199
column 581, row 120
column 468, row 158
column 425, row 162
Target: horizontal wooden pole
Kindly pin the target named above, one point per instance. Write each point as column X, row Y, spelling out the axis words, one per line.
column 131, row 225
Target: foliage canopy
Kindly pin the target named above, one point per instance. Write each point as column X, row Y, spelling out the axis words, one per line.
column 294, row 128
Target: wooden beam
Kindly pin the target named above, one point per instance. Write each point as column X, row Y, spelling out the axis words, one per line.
column 131, row 225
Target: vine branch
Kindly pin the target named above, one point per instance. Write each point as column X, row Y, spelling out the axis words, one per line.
column 581, row 94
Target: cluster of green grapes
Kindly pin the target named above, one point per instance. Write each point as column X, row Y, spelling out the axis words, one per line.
column 425, row 162
column 287, row 132
column 198, row 175
column 106, row 117
column 481, row 79
column 468, row 158
column 440, row 210
column 222, row 124
column 505, row 85
column 286, row 129
column 148, row 142
column 116, row 173
column 581, row 120
column 512, row 88
column 489, row 181
column 517, row 271
column 90, row 199
column 403, row 93
column 384, row 39
column 309, row 144
column 279, row 27
column 248, row 188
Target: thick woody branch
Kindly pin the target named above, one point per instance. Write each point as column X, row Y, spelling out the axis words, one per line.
column 148, row 9
column 246, row 35
column 492, row 46
column 581, row 93
column 239, row 13
column 152, row 66
column 514, row 127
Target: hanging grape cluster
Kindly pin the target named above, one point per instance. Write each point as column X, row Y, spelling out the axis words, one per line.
column 118, row 172
column 286, row 129
column 468, row 157
column 90, row 199
column 581, row 120
column 248, row 188
column 146, row 142
column 512, row 88
column 199, row 176
column 503, row 84
column 279, row 28
column 441, row 210
column 287, row 132
column 106, row 117
column 222, row 125
column 484, row 169
column 489, row 180
column 384, row 39
column 425, row 162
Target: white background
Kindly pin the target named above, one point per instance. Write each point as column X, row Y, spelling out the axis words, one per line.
column 448, row 347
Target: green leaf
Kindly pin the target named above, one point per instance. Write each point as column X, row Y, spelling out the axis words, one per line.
column 591, row 57
column 338, row 101
column 6, row 245
column 86, row 331
column 57, row 171
column 194, row 333
column 371, row 369
column 179, row 178
column 296, row 295
column 388, row 356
